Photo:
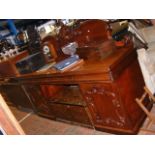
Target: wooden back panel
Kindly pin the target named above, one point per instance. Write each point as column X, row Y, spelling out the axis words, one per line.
column 84, row 33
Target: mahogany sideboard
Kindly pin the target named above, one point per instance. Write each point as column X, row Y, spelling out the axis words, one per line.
column 99, row 94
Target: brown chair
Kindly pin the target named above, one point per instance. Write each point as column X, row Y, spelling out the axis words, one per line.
column 147, row 112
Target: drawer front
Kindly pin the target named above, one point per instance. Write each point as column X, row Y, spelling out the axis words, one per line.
column 71, row 113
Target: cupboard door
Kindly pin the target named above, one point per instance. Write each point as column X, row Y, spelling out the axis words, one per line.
column 14, row 93
column 104, row 105
column 38, row 100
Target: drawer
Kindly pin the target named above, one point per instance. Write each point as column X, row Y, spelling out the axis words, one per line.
column 71, row 113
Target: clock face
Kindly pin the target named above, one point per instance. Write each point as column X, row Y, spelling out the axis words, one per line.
column 46, row 49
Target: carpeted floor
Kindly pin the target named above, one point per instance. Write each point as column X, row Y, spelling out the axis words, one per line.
column 33, row 124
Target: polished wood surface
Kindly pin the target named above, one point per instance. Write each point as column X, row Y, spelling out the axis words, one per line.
column 84, row 33
column 100, row 93
column 107, row 85
column 101, row 62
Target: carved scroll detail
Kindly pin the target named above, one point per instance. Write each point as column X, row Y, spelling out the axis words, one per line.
column 90, row 101
column 120, row 121
column 117, row 106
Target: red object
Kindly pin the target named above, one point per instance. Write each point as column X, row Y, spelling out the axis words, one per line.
column 119, row 43
column 126, row 40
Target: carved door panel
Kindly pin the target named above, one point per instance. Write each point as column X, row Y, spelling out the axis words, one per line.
column 37, row 99
column 104, row 105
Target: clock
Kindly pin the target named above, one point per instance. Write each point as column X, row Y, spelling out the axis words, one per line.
column 49, row 52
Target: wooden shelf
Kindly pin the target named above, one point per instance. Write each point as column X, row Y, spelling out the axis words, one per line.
column 67, row 94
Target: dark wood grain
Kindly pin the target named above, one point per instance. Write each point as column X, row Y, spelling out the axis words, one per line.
column 15, row 94
column 109, row 86
column 84, row 33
